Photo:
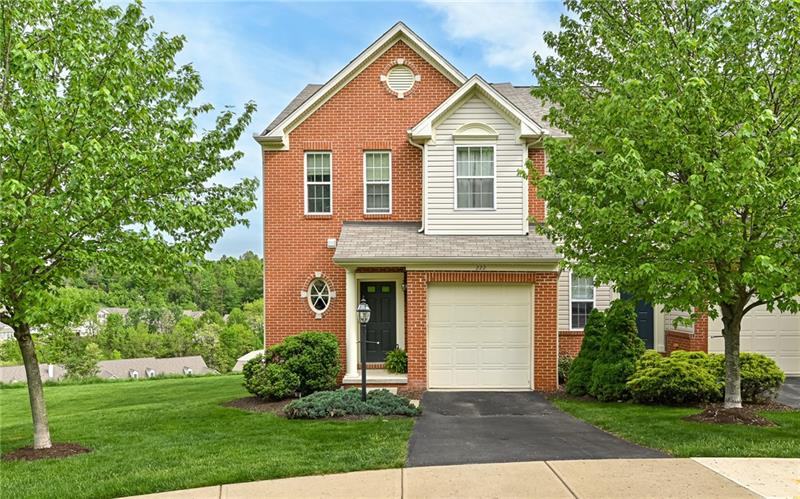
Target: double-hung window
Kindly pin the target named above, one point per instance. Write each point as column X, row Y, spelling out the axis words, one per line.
column 318, row 183
column 475, row 177
column 377, row 182
column 581, row 300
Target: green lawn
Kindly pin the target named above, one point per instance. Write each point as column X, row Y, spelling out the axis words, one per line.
column 662, row 428
column 169, row 434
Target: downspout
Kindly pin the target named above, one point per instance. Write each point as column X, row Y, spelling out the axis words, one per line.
column 424, row 183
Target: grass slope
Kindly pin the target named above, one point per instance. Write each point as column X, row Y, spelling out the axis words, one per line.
column 662, row 428
column 173, row 434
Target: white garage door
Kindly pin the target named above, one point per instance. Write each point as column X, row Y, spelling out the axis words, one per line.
column 479, row 336
column 775, row 334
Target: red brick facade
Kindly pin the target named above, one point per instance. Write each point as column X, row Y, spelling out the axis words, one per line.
column 536, row 206
column 681, row 340
column 361, row 116
column 545, row 319
column 569, row 342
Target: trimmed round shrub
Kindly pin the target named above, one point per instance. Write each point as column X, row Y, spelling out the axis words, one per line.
column 396, row 361
column 580, row 374
column 304, row 363
column 620, row 348
column 338, row 403
column 269, row 380
column 761, row 376
column 564, row 366
column 313, row 356
column 672, row 381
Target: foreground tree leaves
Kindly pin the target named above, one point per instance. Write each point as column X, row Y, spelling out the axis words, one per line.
column 681, row 182
column 102, row 160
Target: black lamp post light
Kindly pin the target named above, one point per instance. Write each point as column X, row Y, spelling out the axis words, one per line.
column 363, row 317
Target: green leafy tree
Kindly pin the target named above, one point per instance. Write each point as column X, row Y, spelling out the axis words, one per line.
column 681, row 180
column 103, row 162
column 82, row 362
column 235, row 340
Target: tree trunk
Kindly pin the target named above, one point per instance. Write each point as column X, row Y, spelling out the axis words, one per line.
column 41, row 430
column 732, row 326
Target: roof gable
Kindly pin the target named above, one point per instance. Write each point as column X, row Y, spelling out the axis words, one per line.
column 528, row 127
column 277, row 133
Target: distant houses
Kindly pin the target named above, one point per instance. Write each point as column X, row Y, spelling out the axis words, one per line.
column 91, row 326
column 144, row 367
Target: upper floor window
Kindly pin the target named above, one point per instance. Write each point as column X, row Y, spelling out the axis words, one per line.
column 581, row 300
column 318, row 183
column 475, row 177
column 378, row 182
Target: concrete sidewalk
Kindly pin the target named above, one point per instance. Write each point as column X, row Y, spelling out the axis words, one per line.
column 603, row 478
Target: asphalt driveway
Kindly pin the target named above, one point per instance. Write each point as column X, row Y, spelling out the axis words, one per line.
column 496, row 427
column 789, row 393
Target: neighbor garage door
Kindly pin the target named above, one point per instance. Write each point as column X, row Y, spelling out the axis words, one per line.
column 479, row 336
column 774, row 334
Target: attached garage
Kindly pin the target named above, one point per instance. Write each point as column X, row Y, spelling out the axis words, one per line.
column 774, row 334
column 479, row 336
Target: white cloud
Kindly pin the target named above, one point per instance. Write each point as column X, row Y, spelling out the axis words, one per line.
column 509, row 31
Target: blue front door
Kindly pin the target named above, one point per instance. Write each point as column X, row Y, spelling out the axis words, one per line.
column 644, row 320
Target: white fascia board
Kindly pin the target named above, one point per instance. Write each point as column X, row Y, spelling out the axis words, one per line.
column 280, row 133
column 424, row 129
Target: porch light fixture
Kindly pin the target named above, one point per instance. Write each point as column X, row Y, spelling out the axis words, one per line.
column 363, row 317
column 363, row 311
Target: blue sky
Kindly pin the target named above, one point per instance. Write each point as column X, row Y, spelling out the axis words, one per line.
column 267, row 51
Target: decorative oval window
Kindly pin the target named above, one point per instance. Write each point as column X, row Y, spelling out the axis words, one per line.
column 319, row 295
column 400, row 79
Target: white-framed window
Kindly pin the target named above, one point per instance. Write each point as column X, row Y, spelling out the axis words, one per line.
column 581, row 300
column 475, row 177
column 377, row 182
column 319, row 296
column 318, row 183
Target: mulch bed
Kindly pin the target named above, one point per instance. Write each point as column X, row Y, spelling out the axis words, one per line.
column 718, row 414
column 56, row 451
column 255, row 404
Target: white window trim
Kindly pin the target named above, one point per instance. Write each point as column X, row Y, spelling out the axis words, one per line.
column 594, row 301
column 319, row 313
column 306, row 183
column 493, row 176
column 366, row 211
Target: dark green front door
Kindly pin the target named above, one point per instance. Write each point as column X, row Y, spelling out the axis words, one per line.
column 382, row 325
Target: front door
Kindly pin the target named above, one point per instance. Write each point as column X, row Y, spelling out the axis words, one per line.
column 644, row 320
column 382, row 326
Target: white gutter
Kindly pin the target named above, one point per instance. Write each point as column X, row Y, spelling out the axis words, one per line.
column 424, row 183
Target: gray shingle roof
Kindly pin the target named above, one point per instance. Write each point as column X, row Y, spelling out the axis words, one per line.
column 533, row 107
column 400, row 242
column 298, row 101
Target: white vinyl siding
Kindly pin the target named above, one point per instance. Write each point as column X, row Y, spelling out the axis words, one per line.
column 603, row 295
column 509, row 211
column 318, row 183
column 671, row 316
column 377, row 182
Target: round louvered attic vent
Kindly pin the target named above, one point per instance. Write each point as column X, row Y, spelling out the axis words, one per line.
column 400, row 79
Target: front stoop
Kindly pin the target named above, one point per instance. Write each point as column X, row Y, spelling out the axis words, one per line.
column 376, row 377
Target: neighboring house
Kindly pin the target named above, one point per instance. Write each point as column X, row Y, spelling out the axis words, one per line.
column 145, row 367
column 16, row 374
column 6, row 332
column 241, row 361
column 397, row 182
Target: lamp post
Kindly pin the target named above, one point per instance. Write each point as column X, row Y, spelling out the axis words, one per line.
column 363, row 317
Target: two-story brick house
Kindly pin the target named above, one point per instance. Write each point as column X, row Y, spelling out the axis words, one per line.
column 397, row 182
